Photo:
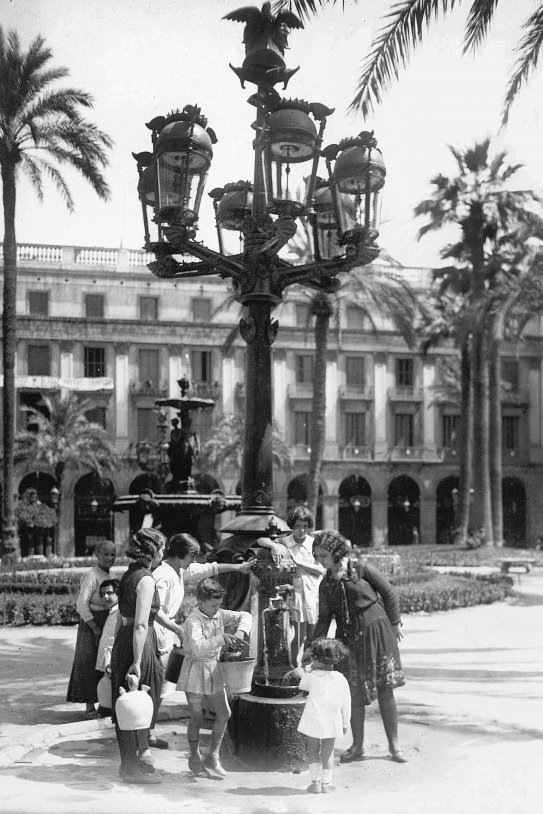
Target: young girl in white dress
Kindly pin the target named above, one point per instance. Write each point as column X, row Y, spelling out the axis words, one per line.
column 327, row 710
column 204, row 636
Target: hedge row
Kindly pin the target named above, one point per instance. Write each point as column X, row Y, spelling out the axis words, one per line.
column 439, row 592
column 40, row 582
column 446, row 592
column 414, row 557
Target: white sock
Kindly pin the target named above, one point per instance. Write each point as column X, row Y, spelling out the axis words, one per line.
column 314, row 771
column 327, row 775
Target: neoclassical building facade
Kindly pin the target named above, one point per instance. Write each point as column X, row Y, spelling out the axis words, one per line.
column 96, row 321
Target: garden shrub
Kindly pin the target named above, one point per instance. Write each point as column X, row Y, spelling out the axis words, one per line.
column 446, row 592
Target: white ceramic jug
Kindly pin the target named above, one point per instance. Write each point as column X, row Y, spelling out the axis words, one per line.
column 104, row 693
column 134, row 709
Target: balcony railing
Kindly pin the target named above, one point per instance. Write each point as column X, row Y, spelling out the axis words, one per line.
column 351, row 391
column 515, row 397
column 206, row 390
column 405, row 393
column 148, row 388
column 29, row 254
column 359, row 453
column 81, row 385
column 297, row 390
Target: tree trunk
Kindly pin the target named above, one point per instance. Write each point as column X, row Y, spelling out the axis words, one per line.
column 466, row 446
column 322, row 309
column 481, row 507
column 496, row 444
column 10, row 539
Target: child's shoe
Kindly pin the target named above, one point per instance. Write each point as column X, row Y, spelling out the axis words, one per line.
column 327, row 787
column 315, row 787
column 196, row 766
column 214, row 767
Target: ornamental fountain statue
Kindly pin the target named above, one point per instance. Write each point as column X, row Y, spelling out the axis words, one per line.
column 175, row 503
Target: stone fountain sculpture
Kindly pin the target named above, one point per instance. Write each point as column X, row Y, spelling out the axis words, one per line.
column 177, row 505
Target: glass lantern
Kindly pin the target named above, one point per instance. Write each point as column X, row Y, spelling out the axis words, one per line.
column 233, row 204
column 172, row 178
column 290, row 139
column 325, row 220
column 358, row 176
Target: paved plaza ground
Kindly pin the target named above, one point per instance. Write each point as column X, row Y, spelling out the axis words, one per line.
column 471, row 719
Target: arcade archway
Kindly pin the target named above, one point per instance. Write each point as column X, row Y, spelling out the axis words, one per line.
column 403, row 511
column 297, row 496
column 93, row 512
column 447, row 509
column 514, row 512
column 355, row 510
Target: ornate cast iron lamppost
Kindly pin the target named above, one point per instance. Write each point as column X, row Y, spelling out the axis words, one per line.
column 343, row 212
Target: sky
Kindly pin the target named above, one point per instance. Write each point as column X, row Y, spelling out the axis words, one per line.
column 140, row 59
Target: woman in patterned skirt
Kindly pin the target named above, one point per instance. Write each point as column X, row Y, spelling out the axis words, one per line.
column 373, row 667
column 135, row 650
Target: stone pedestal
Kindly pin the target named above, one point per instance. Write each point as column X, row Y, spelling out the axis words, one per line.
column 264, row 731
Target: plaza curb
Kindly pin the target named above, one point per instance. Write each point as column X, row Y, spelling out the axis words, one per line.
column 50, row 734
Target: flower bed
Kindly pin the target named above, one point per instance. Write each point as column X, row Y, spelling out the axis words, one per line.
column 52, row 602
column 447, row 591
column 40, row 582
column 414, row 557
column 47, row 563
column 33, row 609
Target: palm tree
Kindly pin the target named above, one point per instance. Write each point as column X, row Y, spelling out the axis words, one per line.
column 478, row 201
column 62, row 438
column 41, row 131
column 375, row 294
column 406, row 25
column 224, row 448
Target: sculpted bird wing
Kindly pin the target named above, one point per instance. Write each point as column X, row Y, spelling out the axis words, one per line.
column 289, row 18
column 246, row 14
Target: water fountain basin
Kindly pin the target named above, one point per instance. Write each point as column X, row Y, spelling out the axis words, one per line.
column 263, row 690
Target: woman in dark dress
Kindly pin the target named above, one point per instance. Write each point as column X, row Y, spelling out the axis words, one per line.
column 350, row 593
column 93, row 612
column 135, row 649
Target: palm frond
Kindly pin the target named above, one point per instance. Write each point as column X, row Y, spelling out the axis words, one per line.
column 479, row 18
column 528, row 48
column 305, row 9
column 392, row 48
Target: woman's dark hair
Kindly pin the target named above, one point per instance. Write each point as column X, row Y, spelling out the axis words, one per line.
column 333, row 542
column 145, row 543
column 299, row 513
column 114, row 583
column 209, row 589
column 329, row 651
column 180, row 545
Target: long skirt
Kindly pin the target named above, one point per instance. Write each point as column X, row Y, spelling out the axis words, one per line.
column 85, row 677
column 373, row 663
column 122, row 657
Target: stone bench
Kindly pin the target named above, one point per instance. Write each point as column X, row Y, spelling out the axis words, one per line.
column 519, row 564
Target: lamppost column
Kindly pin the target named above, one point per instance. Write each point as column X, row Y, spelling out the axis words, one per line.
column 259, row 332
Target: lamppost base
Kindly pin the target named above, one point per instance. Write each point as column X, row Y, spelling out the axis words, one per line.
column 264, row 731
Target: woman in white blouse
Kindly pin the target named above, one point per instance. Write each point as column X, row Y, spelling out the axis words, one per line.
column 93, row 612
column 177, row 567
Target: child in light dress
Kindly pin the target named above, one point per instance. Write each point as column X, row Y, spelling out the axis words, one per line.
column 327, row 710
column 204, row 636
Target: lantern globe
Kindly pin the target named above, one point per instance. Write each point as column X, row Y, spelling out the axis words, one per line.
column 234, row 205
column 183, row 144
column 356, row 163
column 293, row 135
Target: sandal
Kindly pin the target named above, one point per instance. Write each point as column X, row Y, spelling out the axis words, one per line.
column 158, row 743
column 196, row 766
column 351, row 756
column 398, row 756
column 214, row 767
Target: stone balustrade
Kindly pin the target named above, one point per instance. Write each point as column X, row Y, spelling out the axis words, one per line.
column 66, row 257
